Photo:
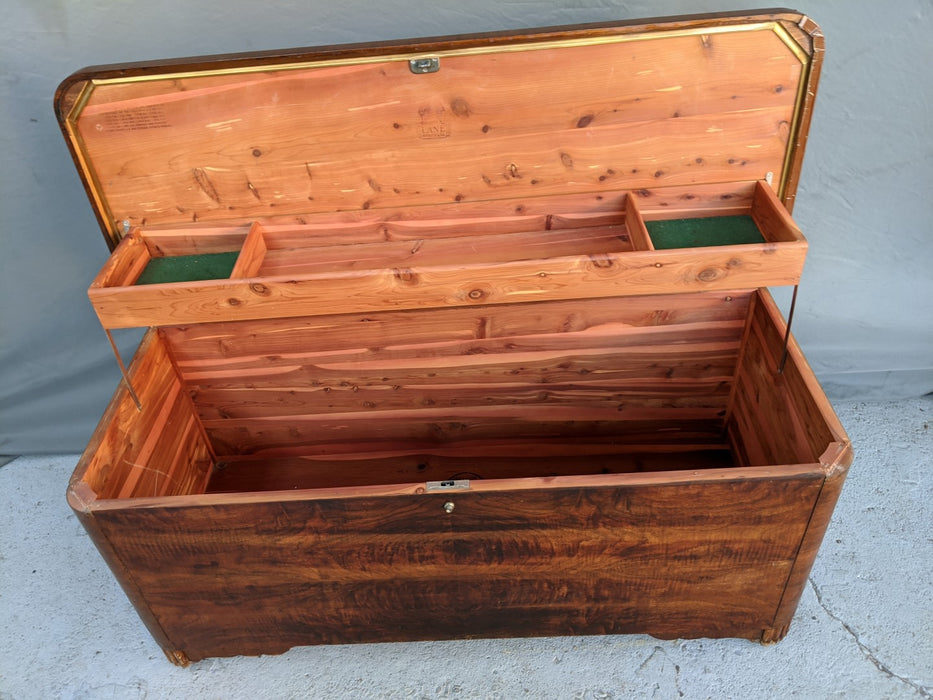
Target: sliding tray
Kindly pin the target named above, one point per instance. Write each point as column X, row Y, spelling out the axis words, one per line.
column 575, row 248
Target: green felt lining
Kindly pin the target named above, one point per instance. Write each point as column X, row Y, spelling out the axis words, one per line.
column 188, row 268
column 709, row 231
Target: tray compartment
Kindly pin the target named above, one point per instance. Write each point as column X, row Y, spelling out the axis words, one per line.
column 430, row 257
column 757, row 220
column 194, row 251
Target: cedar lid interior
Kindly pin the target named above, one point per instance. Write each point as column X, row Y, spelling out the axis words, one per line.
column 276, row 136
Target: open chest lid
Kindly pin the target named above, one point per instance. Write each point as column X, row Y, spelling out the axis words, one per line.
column 280, row 136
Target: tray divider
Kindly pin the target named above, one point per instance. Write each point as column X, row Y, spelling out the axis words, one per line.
column 635, row 223
column 125, row 264
column 771, row 217
column 251, row 255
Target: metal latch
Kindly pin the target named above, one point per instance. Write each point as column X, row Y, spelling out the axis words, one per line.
column 448, row 485
column 424, row 65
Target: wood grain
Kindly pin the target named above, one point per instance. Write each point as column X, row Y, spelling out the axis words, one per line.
column 772, row 219
column 507, row 459
column 252, row 254
column 419, row 380
column 448, row 276
column 706, row 109
column 700, row 559
column 188, row 241
column 156, row 451
column 126, row 264
column 431, row 250
column 779, row 418
column 581, row 249
column 443, row 284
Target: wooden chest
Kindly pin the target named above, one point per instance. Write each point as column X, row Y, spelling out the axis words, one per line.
column 461, row 337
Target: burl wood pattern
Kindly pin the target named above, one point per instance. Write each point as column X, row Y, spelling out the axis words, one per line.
column 694, row 559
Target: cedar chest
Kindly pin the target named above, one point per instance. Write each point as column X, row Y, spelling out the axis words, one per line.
column 459, row 337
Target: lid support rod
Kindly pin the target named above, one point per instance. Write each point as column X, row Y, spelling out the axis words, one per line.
column 126, row 377
column 790, row 320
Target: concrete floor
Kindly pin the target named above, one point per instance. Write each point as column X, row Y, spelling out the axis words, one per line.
column 864, row 628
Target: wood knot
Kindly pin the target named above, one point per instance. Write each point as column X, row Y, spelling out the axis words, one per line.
column 460, row 107
column 260, row 289
column 476, row 294
column 233, row 301
column 710, row 274
column 405, row 275
column 601, row 261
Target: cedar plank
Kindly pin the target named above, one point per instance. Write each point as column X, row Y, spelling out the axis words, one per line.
column 126, row 263
column 816, row 417
column 605, row 101
column 223, row 340
column 199, row 241
column 648, row 341
column 455, row 250
column 253, row 402
column 772, row 219
column 425, row 429
column 132, row 451
column 242, row 475
column 475, row 169
column 717, row 268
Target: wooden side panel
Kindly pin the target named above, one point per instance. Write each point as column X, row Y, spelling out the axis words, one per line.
column 125, row 265
column 721, row 199
column 790, row 414
column 703, row 558
column 779, row 418
column 203, row 240
column 157, row 451
column 437, row 250
column 816, row 529
column 772, row 218
column 404, row 382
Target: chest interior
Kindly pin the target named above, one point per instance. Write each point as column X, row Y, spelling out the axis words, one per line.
column 478, row 259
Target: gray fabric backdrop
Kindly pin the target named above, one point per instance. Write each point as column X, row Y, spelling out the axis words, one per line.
column 865, row 316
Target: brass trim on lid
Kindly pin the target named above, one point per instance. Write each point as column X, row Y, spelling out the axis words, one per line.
column 472, row 51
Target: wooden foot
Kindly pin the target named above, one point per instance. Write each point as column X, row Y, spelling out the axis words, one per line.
column 179, row 658
column 773, row 635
